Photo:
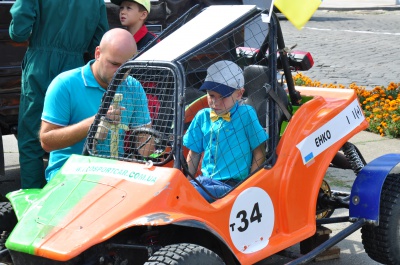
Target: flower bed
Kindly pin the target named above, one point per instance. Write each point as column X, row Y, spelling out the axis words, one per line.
column 381, row 105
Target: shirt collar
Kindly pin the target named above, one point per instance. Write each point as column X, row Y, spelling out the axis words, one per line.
column 88, row 77
column 140, row 33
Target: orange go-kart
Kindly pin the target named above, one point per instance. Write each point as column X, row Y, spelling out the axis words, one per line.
column 125, row 207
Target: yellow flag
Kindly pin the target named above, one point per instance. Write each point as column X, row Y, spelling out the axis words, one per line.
column 298, row 11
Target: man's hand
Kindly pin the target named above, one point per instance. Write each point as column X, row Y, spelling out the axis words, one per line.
column 114, row 114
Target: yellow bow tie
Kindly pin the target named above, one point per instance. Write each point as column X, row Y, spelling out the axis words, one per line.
column 214, row 116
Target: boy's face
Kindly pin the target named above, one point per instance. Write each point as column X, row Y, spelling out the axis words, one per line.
column 130, row 14
column 220, row 104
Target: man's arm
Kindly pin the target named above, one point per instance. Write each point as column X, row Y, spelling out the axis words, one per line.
column 193, row 160
column 23, row 18
column 258, row 157
column 54, row 137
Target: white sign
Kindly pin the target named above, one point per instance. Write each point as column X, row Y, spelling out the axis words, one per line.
column 331, row 132
column 112, row 170
column 251, row 220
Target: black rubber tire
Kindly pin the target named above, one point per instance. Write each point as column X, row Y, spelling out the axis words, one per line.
column 382, row 243
column 2, row 198
column 8, row 220
column 184, row 254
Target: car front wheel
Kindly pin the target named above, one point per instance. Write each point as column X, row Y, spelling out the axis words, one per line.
column 184, row 254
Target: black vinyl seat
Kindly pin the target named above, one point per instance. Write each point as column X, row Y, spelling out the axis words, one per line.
column 256, row 89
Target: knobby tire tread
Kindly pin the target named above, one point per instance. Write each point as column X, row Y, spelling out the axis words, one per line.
column 8, row 220
column 184, row 254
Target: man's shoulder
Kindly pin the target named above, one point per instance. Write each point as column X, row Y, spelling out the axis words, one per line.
column 70, row 73
column 64, row 80
column 131, row 83
column 130, row 79
column 132, row 89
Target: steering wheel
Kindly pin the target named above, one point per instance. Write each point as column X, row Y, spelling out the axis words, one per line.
column 131, row 149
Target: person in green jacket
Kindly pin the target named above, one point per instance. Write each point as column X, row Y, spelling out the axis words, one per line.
column 59, row 33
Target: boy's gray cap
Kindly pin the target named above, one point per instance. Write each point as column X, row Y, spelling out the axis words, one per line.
column 223, row 77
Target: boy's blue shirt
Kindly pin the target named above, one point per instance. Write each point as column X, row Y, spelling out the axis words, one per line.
column 227, row 146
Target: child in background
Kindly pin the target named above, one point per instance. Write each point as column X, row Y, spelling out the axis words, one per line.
column 133, row 14
column 228, row 134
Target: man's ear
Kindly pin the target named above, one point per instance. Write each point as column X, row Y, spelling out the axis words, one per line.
column 97, row 52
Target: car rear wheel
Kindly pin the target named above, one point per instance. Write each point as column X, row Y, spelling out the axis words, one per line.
column 184, row 254
column 382, row 242
column 7, row 222
column 7, row 217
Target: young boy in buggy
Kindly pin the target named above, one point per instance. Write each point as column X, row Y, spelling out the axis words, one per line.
column 228, row 134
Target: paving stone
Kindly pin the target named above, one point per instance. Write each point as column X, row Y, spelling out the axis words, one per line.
column 350, row 46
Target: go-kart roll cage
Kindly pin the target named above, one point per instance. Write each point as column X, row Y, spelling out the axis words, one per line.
column 265, row 56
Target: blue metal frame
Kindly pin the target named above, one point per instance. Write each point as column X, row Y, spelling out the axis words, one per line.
column 366, row 191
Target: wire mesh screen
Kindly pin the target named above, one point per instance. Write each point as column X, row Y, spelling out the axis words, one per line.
column 228, row 150
column 136, row 122
column 225, row 134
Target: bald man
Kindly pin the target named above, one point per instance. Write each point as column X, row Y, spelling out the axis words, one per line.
column 74, row 97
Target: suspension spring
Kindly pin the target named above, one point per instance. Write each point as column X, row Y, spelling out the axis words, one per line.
column 353, row 157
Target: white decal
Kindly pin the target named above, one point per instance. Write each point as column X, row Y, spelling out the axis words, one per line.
column 331, row 132
column 111, row 170
column 251, row 220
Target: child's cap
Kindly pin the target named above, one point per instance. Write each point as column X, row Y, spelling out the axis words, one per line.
column 145, row 3
column 223, row 77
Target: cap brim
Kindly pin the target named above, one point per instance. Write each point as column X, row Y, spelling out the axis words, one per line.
column 223, row 90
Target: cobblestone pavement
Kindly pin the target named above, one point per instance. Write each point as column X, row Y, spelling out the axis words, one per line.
column 350, row 46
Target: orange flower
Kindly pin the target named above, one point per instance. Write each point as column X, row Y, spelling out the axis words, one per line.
column 380, row 104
